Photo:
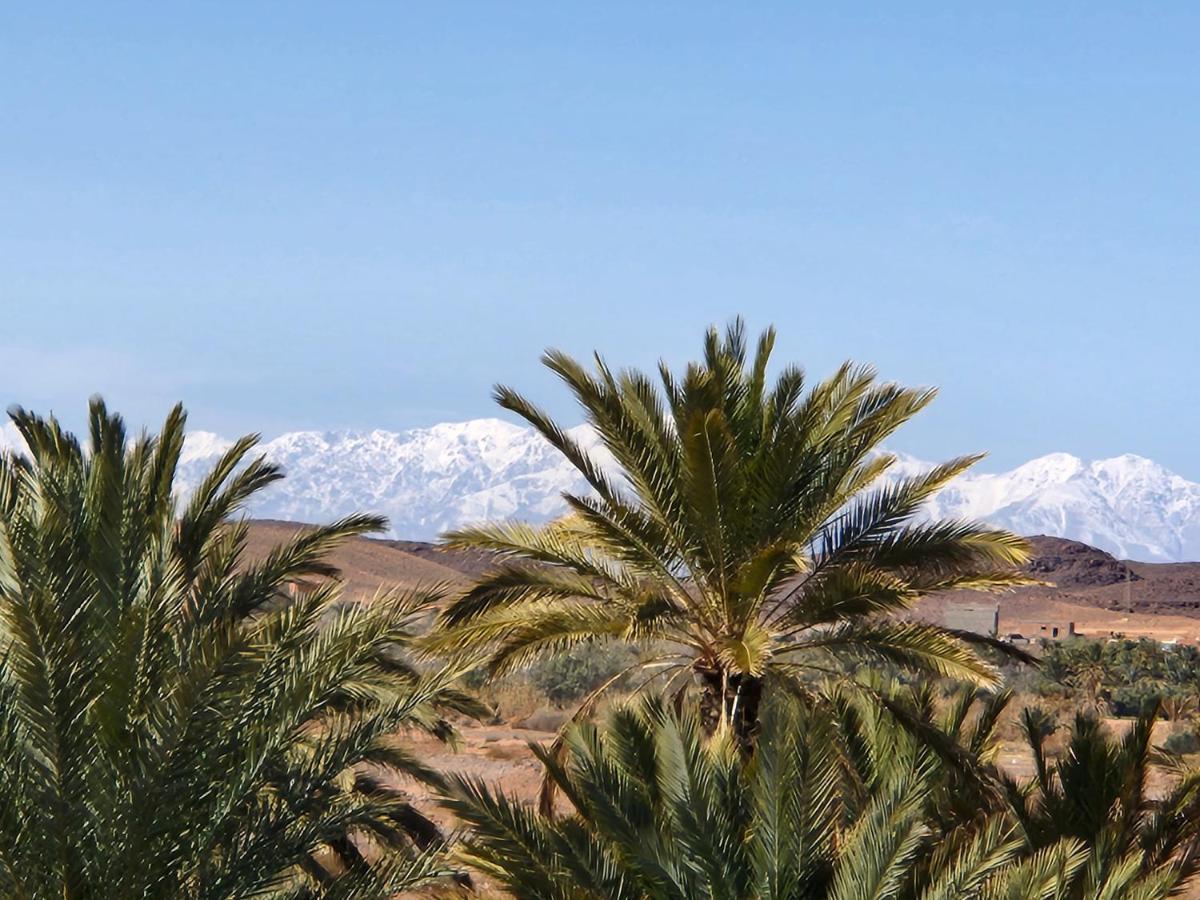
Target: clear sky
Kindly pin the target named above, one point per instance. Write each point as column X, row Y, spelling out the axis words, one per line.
column 350, row 214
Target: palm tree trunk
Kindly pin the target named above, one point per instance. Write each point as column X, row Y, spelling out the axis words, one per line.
column 734, row 698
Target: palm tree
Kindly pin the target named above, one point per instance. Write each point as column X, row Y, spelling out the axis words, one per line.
column 177, row 720
column 661, row 812
column 1090, row 674
column 1180, row 705
column 1096, row 791
column 737, row 529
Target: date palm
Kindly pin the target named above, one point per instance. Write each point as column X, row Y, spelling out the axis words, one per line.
column 735, row 526
column 178, row 720
column 1090, row 674
column 1135, row 842
column 956, row 733
column 657, row 812
column 1097, row 791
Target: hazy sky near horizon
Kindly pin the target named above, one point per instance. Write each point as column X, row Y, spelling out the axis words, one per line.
column 297, row 215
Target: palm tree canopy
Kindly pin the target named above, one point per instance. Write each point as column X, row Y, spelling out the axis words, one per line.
column 177, row 720
column 838, row 800
column 660, row 812
column 741, row 522
column 1097, row 791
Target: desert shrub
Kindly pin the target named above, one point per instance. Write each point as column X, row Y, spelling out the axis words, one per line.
column 1131, row 699
column 1181, row 742
column 570, row 676
column 512, row 698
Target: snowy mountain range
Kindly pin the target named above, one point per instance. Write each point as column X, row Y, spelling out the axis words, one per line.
column 430, row 479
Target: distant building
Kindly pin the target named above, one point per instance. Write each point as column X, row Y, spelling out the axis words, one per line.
column 1057, row 632
column 977, row 619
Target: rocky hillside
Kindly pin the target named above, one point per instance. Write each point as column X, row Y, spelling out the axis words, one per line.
column 1077, row 573
column 1071, row 565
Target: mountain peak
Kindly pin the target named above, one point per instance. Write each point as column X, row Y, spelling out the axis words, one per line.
column 10, row 438
column 1057, row 466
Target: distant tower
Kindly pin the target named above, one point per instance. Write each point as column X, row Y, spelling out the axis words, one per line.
column 1128, row 588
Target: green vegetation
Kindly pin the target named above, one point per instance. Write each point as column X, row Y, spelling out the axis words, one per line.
column 579, row 670
column 831, row 805
column 748, row 535
column 1096, row 792
column 178, row 722
column 1123, row 676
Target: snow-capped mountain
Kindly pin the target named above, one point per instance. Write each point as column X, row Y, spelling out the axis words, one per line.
column 425, row 481
column 1127, row 505
column 430, row 479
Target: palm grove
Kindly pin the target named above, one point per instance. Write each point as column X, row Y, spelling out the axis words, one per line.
column 179, row 719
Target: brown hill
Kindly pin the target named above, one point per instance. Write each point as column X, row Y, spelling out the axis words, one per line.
column 1089, row 587
column 468, row 563
column 368, row 565
column 1083, row 574
column 1070, row 564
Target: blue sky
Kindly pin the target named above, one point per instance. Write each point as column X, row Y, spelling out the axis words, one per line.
column 327, row 215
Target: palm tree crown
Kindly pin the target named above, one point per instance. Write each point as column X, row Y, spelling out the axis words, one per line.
column 740, row 527
column 177, row 720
